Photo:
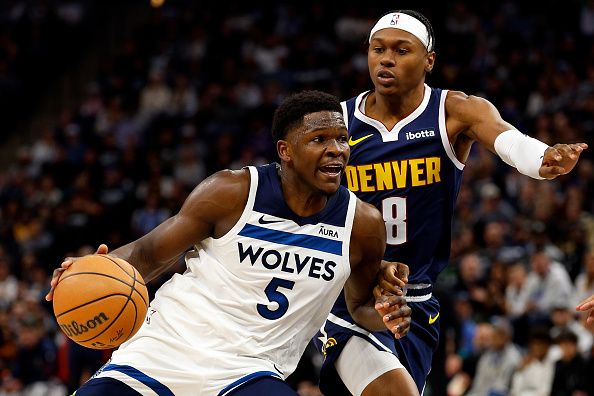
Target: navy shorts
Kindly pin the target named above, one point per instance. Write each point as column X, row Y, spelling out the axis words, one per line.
column 415, row 350
column 105, row 386
column 264, row 386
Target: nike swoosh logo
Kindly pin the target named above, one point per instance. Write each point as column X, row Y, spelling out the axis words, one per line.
column 432, row 319
column 262, row 221
column 356, row 141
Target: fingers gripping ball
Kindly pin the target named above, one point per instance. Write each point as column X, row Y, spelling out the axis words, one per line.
column 100, row 301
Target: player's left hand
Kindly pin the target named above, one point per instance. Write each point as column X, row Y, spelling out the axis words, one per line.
column 393, row 276
column 587, row 305
column 560, row 159
column 102, row 249
column 395, row 313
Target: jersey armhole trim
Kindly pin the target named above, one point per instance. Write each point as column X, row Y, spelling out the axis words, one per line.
column 249, row 205
column 348, row 228
column 445, row 140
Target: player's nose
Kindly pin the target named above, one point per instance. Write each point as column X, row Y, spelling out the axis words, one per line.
column 336, row 147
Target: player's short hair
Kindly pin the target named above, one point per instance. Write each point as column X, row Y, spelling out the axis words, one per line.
column 290, row 113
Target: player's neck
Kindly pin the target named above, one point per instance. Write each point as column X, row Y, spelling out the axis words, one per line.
column 393, row 108
column 299, row 197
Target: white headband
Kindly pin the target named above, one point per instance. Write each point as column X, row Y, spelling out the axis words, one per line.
column 404, row 22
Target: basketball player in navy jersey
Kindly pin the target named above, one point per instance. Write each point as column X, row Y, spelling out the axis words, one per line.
column 408, row 144
column 274, row 245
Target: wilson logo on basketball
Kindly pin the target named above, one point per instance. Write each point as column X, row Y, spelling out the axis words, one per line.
column 75, row 329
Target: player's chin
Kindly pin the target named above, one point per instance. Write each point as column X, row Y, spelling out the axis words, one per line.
column 328, row 182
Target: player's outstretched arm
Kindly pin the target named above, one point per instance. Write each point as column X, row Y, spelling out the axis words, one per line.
column 471, row 118
column 211, row 209
column 366, row 252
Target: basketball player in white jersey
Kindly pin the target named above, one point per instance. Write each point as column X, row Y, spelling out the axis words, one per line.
column 273, row 247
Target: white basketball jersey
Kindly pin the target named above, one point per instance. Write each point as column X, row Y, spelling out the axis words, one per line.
column 248, row 303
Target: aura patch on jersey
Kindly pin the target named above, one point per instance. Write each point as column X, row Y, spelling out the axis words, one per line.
column 413, row 172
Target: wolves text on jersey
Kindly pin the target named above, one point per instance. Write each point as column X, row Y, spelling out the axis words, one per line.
column 289, row 262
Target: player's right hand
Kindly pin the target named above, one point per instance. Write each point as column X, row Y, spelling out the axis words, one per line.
column 560, row 159
column 393, row 276
column 102, row 249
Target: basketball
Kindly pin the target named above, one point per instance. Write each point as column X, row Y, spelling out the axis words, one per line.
column 100, row 301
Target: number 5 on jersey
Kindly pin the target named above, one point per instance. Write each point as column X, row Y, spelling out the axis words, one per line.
column 275, row 296
column 394, row 212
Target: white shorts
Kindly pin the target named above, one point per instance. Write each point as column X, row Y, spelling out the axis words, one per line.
column 371, row 364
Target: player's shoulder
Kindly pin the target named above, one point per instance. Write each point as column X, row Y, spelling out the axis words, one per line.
column 229, row 179
column 228, row 187
column 462, row 104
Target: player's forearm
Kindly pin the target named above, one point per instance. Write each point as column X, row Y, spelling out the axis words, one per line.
column 367, row 317
column 140, row 255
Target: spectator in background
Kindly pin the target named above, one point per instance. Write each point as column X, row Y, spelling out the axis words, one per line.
column 571, row 376
column 492, row 207
column 495, row 305
column 155, row 97
column 535, row 373
column 465, row 362
column 34, row 368
column 150, row 216
column 184, row 101
column 547, row 283
column 516, row 292
column 563, row 318
column 497, row 364
column 471, row 280
column 8, row 284
column 189, row 167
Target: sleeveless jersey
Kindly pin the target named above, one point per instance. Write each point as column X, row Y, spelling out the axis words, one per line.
column 249, row 302
column 412, row 176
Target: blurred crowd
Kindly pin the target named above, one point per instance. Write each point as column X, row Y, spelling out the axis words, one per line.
column 38, row 41
column 193, row 91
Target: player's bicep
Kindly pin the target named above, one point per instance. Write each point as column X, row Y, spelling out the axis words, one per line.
column 213, row 201
column 477, row 118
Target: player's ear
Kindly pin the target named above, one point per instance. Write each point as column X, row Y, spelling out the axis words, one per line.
column 283, row 150
column 429, row 61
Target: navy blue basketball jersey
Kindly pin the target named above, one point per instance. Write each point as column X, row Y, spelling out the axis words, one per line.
column 412, row 176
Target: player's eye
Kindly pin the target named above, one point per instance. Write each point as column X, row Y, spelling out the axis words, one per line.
column 343, row 138
column 378, row 50
column 318, row 139
column 402, row 51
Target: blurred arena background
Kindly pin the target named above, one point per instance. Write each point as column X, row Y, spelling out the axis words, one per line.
column 112, row 113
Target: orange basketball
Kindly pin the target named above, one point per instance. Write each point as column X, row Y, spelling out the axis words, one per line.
column 100, row 301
